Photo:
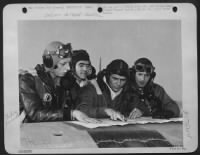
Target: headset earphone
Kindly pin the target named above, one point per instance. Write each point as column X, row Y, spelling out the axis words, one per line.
column 47, row 60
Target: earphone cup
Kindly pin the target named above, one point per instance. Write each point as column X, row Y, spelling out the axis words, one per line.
column 106, row 73
column 47, row 61
column 100, row 75
column 153, row 75
column 91, row 73
column 132, row 73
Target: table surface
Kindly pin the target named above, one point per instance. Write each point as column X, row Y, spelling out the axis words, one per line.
column 68, row 135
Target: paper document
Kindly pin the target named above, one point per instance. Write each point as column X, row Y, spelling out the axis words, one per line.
column 142, row 120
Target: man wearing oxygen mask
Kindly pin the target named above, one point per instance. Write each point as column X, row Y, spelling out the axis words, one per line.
column 149, row 98
column 42, row 96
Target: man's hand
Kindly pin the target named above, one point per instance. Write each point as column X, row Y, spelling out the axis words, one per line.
column 135, row 113
column 82, row 117
column 114, row 115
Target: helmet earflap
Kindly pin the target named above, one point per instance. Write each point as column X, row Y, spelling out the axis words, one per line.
column 47, row 60
column 91, row 74
column 153, row 75
column 107, row 74
column 132, row 73
column 102, row 73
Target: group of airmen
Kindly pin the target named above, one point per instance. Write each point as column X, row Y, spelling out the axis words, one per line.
column 66, row 87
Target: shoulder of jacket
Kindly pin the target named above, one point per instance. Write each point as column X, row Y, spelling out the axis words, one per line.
column 157, row 88
column 91, row 87
column 95, row 85
column 33, row 72
column 27, row 76
column 26, row 81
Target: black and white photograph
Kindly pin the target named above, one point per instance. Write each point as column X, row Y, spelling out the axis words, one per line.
column 90, row 78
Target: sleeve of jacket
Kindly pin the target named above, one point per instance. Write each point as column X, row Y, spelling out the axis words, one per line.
column 88, row 102
column 168, row 103
column 32, row 103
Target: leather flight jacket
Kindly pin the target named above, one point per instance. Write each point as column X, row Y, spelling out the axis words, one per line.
column 154, row 101
column 40, row 99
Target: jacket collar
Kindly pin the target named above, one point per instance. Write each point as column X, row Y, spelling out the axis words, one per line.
column 112, row 93
column 44, row 76
column 148, row 88
column 105, row 87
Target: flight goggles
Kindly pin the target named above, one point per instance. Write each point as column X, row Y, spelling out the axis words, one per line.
column 63, row 51
column 144, row 68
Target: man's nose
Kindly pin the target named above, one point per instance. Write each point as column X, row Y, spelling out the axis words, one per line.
column 118, row 82
column 142, row 78
column 67, row 67
column 85, row 68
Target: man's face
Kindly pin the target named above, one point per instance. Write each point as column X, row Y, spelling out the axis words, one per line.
column 142, row 78
column 116, row 82
column 63, row 66
column 82, row 67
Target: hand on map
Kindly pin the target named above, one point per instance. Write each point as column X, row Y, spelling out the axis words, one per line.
column 135, row 113
column 82, row 117
column 114, row 115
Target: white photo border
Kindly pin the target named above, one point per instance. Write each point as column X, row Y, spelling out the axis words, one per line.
column 146, row 11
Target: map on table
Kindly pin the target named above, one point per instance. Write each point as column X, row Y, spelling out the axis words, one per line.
column 141, row 120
